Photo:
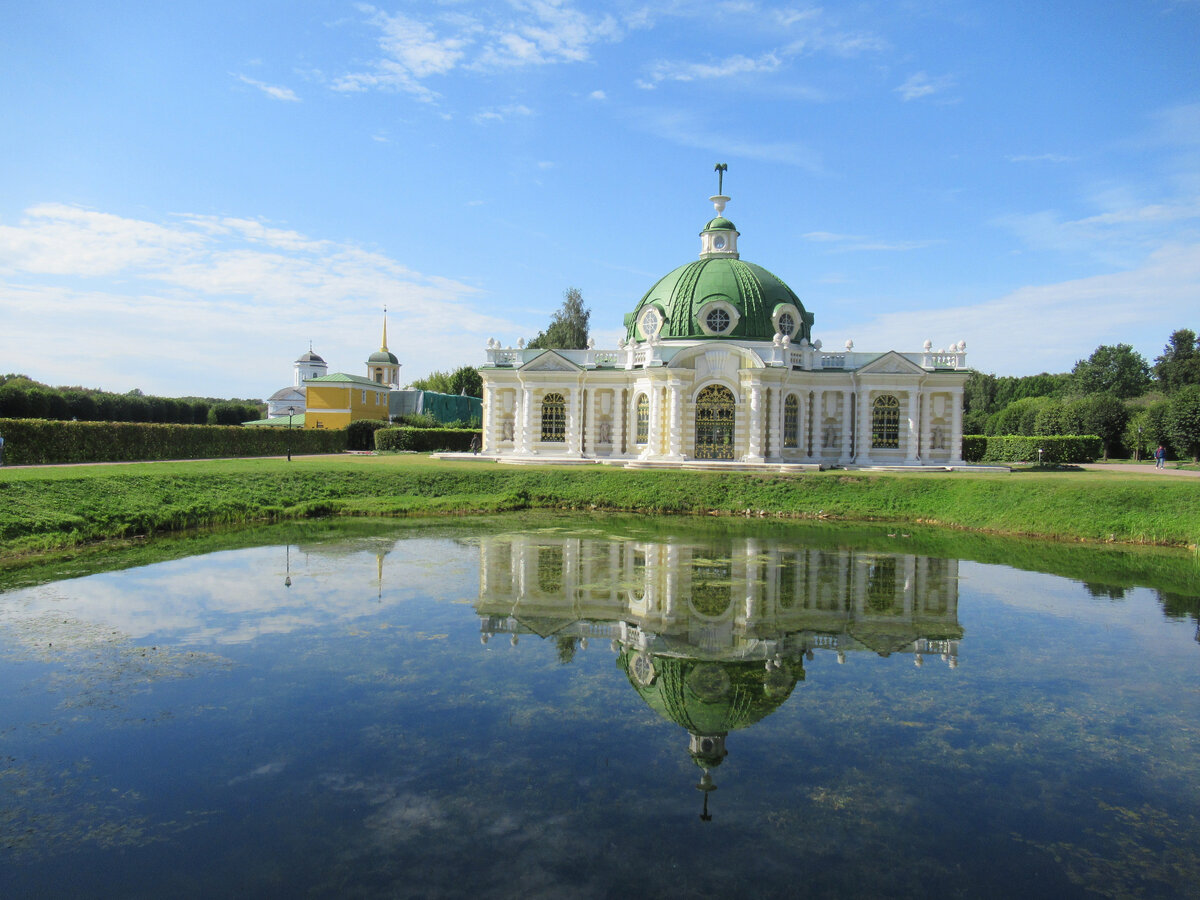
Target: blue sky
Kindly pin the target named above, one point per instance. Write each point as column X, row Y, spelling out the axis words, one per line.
column 191, row 192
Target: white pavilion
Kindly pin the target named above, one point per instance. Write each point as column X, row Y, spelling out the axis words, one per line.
column 718, row 367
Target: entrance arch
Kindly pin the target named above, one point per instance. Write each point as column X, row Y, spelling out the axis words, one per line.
column 714, row 423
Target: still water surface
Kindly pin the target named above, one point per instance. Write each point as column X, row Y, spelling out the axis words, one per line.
column 597, row 708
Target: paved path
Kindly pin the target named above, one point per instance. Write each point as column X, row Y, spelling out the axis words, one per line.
column 1141, row 469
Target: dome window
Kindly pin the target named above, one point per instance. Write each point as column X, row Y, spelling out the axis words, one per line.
column 719, row 317
column 786, row 320
column 650, row 323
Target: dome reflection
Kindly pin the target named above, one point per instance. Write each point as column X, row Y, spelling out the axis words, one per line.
column 714, row 636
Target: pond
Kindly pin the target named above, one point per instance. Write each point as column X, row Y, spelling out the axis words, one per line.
column 594, row 707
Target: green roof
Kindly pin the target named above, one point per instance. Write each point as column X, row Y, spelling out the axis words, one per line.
column 297, row 421
column 720, row 223
column 342, row 378
column 383, row 356
column 681, row 294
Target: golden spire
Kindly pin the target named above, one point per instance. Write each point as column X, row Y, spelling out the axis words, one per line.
column 384, row 347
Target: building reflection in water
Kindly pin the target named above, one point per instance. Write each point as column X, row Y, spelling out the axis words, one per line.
column 715, row 638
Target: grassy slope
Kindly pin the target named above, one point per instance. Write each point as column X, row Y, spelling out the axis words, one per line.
column 48, row 508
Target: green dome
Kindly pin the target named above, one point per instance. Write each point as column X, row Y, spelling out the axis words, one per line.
column 383, row 357
column 688, row 292
column 711, row 697
column 720, row 223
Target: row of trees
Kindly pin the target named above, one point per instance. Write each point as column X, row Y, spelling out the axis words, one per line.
column 465, row 381
column 23, row 398
column 1114, row 393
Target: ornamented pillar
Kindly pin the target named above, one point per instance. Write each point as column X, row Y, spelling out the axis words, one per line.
column 776, row 448
column 591, row 424
column 489, row 419
column 654, row 438
column 912, row 411
column 519, row 420
column 619, row 413
column 956, row 425
column 675, row 406
column 526, row 437
column 575, row 422
column 754, row 445
column 847, row 405
column 862, row 421
column 924, row 451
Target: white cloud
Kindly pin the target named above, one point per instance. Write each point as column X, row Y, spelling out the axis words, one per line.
column 1118, row 236
column 272, row 91
column 686, row 130
column 724, row 68
column 523, row 33
column 501, row 114
column 920, row 85
column 597, row 95
column 213, row 305
column 807, row 31
column 1048, row 327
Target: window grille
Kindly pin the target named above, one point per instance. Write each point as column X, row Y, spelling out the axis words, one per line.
column 554, row 419
column 791, row 421
column 643, row 419
column 885, row 422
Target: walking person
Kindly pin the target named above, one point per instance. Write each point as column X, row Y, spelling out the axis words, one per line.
column 1160, row 457
column 1, row 449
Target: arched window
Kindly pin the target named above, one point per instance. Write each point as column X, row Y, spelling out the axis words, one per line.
column 885, row 422
column 554, row 419
column 791, row 421
column 643, row 419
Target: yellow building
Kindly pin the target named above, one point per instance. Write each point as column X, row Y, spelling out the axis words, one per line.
column 334, row 401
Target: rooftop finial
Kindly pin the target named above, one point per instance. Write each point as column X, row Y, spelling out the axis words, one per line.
column 384, row 347
column 719, row 199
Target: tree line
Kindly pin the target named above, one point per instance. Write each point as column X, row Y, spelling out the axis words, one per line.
column 1132, row 405
column 23, row 398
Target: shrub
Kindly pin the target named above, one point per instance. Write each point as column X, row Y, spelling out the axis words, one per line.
column 43, row 441
column 1006, row 448
column 425, row 439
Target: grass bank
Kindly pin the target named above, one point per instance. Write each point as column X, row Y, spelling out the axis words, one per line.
column 47, row 509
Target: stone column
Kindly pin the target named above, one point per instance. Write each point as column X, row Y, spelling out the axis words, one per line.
column 956, row 424
column 489, row 419
column 675, row 407
column 591, row 423
column 862, row 446
column 619, row 413
column 654, row 436
column 524, row 425
column 776, row 448
column 574, row 433
column 847, row 404
column 754, row 444
column 925, row 451
column 912, row 411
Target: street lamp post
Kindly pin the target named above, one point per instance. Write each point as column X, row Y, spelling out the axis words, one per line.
column 291, row 412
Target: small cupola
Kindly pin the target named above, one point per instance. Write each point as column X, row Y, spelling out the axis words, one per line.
column 718, row 240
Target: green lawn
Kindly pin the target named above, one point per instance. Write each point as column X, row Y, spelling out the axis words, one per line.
column 52, row 508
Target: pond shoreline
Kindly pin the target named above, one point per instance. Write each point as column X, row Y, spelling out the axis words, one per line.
column 54, row 509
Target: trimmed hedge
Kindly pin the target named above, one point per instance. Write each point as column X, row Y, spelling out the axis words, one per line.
column 1006, row 448
column 360, row 434
column 45, row 441
column 426, row 439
